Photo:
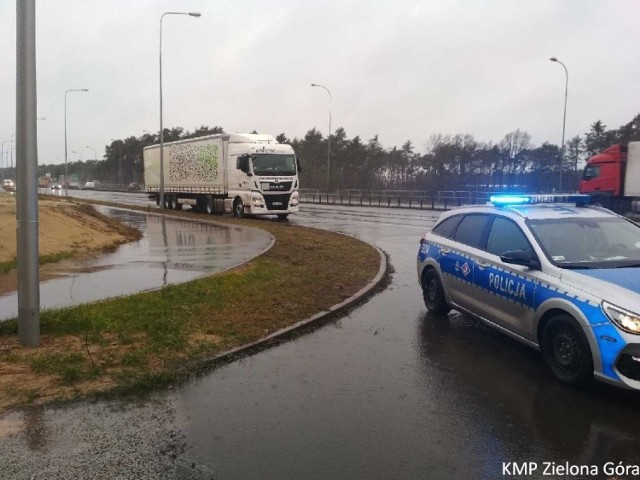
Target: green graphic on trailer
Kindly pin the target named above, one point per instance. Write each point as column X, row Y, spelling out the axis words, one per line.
column 208, row 154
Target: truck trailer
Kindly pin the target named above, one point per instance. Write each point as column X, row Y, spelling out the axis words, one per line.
column 612, row 178
column 243, row 174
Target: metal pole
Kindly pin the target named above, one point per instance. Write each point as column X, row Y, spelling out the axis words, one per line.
column 11, row 149
column 192, row 14
column 95, row 160
column 329, row 138
column 66, row 157
column 27, row 176
column 2, row 158
column 564, row 118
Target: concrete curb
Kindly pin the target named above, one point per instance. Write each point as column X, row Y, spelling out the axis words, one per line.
column 278, row 336
column 314, row 321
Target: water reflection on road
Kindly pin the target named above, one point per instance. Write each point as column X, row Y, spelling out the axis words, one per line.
column 171, row 251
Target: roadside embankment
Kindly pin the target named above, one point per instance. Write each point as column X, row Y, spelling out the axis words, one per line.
column 143, row 341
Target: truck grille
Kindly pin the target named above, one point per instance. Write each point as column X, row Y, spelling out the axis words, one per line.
column 277, row 202
column 276, row 187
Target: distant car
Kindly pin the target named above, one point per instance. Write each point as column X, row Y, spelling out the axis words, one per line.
column 55, row 186
column 562, row 278
column 133, row 187
column 90, row 186
column 9, row 185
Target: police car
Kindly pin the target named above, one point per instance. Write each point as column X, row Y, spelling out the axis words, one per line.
column 549, row 271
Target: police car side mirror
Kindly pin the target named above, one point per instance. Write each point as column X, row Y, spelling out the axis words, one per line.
column 520, row 257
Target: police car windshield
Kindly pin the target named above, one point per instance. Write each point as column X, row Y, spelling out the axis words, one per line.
column 274, row 164
column 588, row 242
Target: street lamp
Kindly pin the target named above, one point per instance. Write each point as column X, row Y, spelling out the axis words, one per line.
column 564, row 118
column 95, row 153
column 95, row 161
column 191, row 14
column 329, row 152
column 2, row 156
column 119, row 142
column 66, row 158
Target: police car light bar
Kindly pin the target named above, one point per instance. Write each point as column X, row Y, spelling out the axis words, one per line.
column 502, row 200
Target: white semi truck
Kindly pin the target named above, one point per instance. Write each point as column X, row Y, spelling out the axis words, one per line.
column 243, row 174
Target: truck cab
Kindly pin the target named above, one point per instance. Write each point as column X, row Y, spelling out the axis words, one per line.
column 267, row 174
column 604, row 173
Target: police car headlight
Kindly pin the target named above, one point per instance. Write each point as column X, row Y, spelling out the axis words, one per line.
column 627, row 321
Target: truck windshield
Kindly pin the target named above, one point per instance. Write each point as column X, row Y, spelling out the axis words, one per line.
column 274, row 164
column 591, row 172
column 589, row 242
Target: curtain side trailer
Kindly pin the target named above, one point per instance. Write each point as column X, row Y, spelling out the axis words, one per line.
column 243, row 174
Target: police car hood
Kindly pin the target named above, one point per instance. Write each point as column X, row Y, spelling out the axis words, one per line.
column 620, row 286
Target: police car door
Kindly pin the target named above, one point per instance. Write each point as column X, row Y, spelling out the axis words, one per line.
column 456, row 259
column 505, row 291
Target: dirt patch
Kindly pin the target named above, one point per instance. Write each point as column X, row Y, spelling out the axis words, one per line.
column 66, row 229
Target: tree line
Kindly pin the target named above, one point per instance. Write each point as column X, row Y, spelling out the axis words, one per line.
column 450, row 162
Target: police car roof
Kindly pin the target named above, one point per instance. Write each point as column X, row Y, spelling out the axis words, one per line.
column 538, row 211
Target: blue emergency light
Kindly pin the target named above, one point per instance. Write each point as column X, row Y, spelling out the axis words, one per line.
column 505, row 199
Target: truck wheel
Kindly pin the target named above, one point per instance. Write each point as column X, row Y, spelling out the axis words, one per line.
column 238, row 208
column 566, row 351
column 208, row 205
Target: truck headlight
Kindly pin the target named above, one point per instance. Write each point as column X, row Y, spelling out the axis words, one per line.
column 627, row 321
column 257, row 200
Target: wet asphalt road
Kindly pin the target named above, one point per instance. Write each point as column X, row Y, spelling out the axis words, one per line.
column 386, row 392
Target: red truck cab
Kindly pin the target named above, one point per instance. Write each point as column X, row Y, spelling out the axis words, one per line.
column 604, row 173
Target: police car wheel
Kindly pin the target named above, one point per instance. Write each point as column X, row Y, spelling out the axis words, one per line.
column 433, row 293
column 566, row 351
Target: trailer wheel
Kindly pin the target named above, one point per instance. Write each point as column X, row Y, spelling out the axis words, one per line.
column 208, row 204
column 238, row 208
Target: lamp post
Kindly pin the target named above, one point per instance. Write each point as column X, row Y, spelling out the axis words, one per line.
column 119, row 142
column 329, row 152
column 564, row 118
column 95, row 161
column 13, row 136
column 66, row 177
column 2, row 157
column 191, row 14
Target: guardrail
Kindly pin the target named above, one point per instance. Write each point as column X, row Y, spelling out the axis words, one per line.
column 441, row 200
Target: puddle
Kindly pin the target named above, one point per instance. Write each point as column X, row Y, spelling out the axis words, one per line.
column 171, row 251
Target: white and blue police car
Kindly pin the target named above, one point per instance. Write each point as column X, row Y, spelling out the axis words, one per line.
column 548, row 270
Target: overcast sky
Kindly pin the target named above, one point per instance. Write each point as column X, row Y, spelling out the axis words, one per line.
column 400, row 69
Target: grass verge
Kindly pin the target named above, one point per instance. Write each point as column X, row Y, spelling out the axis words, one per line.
column 136, row 343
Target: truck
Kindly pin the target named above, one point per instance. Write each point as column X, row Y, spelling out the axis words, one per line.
column 242, row 174
column 612, row 178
